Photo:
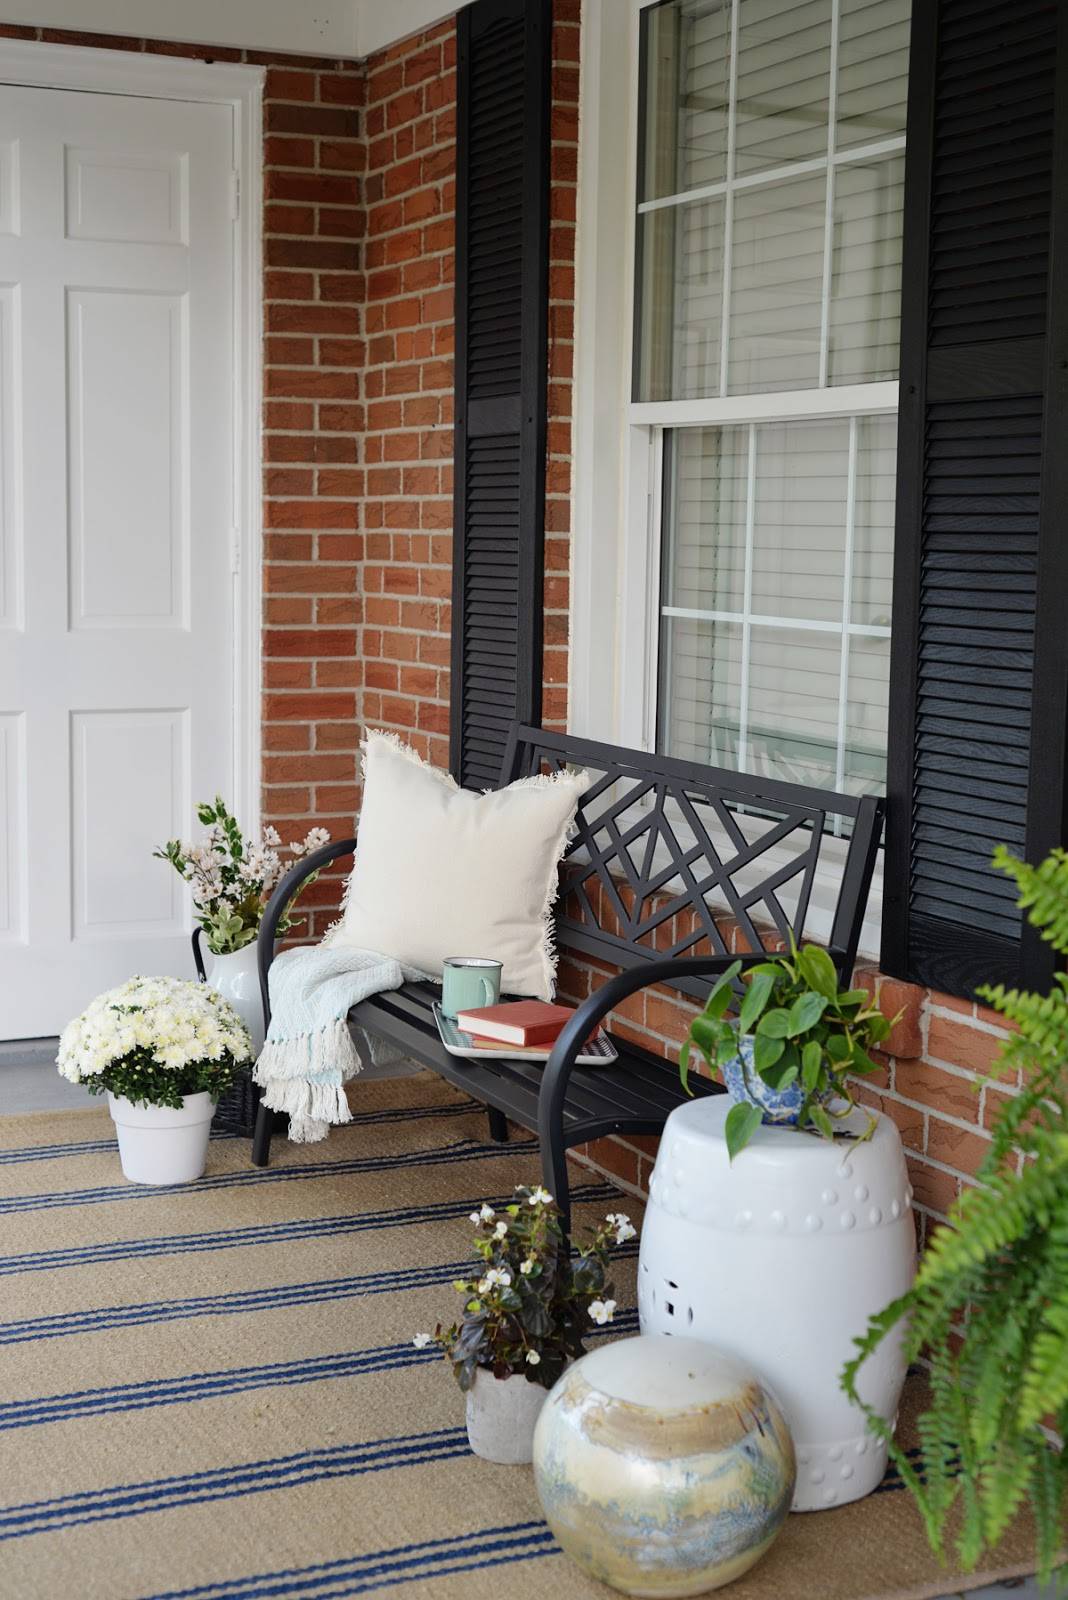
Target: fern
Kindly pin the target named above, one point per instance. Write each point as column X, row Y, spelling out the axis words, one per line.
column 990, row 1439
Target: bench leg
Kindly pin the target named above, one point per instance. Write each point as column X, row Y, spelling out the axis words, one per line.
column 498, row 1125
column 261, row 1137
column 554, row 1176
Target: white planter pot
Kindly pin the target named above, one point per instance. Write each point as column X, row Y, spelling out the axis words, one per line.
column 501, row 1415
column 159, row 1144
column 237, row 979
column 780, row 1259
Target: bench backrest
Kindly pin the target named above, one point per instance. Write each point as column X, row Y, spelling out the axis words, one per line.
column 671, row 858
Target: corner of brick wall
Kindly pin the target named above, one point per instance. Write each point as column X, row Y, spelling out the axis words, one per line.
column 409, row 254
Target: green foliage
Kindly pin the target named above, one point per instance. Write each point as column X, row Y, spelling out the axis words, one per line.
column 989, row 1308
column 803, row 1027
column 232, row 878
column 530, row 1303
column 140, row 1077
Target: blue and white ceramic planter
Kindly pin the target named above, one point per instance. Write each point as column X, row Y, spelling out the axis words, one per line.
column 744, row 1083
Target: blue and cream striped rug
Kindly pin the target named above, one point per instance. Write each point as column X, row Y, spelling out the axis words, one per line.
column 209, row 1392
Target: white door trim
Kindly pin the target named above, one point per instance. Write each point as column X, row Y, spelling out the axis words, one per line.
column 59, row 66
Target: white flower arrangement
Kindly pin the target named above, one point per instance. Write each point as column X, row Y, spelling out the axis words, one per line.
column 530, row 1303
column 155, row 1040
column 232, row 877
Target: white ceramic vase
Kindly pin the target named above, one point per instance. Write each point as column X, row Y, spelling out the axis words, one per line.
column 501, row 1415
column 237, row 979
column 780, row 1258
column 163, row 1144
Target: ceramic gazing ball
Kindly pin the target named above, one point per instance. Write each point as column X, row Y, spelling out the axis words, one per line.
column 663, row 1466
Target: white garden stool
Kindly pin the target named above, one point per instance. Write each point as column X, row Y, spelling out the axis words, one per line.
column 780, row 1259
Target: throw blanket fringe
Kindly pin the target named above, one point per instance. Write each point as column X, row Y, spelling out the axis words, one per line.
column 310, row 1052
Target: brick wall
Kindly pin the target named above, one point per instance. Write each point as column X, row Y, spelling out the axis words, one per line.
column 406, row 576
column 313, row 480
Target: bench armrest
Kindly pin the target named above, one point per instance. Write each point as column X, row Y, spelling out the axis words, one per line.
column 276, row 906
column 590, row 1013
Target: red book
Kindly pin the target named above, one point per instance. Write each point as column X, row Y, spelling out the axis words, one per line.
column 518, row 1022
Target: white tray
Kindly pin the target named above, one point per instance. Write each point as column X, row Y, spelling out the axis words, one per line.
column 457, row 1043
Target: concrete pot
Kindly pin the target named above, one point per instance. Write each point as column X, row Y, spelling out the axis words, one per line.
column 501, row 1415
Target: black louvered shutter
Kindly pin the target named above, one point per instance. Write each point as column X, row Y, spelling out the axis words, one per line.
column 978, row 670
column 502, row 233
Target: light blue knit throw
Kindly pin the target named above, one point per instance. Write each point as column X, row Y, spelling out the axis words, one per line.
column 310, row 1052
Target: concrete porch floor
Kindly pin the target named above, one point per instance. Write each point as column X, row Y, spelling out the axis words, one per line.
column 29, row 1082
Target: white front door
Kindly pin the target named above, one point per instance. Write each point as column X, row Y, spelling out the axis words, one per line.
column 116, row 543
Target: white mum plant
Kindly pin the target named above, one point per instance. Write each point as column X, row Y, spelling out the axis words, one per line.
column 155, row 1040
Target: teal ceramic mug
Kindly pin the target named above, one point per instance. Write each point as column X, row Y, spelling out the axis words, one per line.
column 468, row 982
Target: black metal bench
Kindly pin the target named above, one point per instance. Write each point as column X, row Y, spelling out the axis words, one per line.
column 674, row 871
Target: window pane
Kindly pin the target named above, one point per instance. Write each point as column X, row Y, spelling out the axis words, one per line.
column 776, row 286
column 681, row 316
column 685, row 54
column 706, row 554
column 765, row 662
column 873, row 64
column 784, row 63
column 873, row 532
column 866, row 723
column 799, row 522
column 793, row 705
column 700, row 690
column 865, row 314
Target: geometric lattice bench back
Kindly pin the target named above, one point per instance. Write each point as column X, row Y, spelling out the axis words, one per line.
column 674, row 859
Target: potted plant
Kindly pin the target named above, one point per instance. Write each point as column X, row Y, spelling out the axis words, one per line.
column 231, row 880
column 526, row 1311
column 788, row 1054
column 163, row 1049
column 989, row 1307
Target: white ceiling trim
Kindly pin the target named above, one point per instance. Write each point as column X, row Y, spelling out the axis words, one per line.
column 344, row 28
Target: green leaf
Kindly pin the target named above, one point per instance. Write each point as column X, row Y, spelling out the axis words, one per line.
column 822, row 1121
column 775, row 1024
column 818, row 971
column 684, row 1065
column 756, row 998
column 719, row 997
column 781, row 1075
column 806, row 1010
column 862, row 1061
column 709, row 1036
column 742, row 1122
column 718, row 1001
column 837, row 1047
column 811, row 1061
column 766, row 1051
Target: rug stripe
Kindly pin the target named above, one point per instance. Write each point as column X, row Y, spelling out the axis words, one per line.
column 224, row 1483
column 518, row 1541
column 363, row 1119
column 464, row 1150
column 233, row 1380
column 268, row 1233
column 242, row 1301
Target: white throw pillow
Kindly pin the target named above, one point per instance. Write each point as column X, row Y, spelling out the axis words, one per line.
column 441, row 871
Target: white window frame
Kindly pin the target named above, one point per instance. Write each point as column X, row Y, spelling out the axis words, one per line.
column 617, row 443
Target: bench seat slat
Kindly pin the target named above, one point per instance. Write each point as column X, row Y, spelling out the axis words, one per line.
column 636, row 1092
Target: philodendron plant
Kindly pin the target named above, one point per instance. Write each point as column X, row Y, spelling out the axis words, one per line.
column 804, row 1029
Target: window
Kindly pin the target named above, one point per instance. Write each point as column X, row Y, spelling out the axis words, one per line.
column 767, row 282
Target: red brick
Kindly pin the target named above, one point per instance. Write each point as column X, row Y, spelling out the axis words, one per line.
column 962, row 1045
column 930, row 1086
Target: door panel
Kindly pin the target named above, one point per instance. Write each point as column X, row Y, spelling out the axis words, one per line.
column 116, row 517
